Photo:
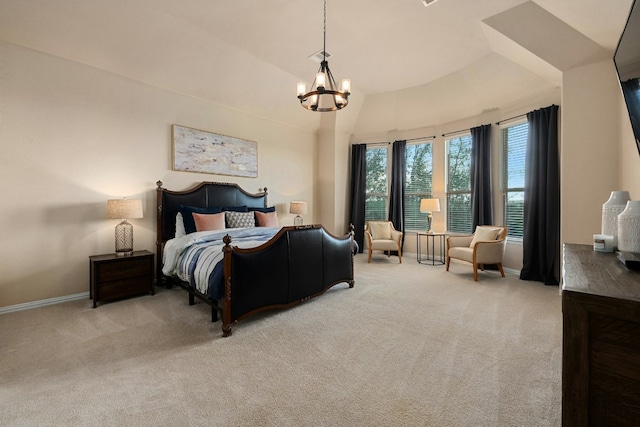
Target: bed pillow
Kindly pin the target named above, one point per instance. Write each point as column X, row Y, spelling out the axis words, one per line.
column 235, row 209
column 269, row 209
column 484, row 234
column 266, row 219
column 208, row 222
column 187, row 217
column 380, row 230
column 180, row 231
column 240, row 219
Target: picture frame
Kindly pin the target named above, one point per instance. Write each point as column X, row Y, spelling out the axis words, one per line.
column 196, row 150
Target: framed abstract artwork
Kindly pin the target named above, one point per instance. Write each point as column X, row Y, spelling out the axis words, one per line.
column 197, row 150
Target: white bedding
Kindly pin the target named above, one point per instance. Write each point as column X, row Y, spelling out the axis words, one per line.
column 193, row 257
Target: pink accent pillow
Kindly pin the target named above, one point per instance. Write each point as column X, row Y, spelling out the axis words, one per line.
column 266, row 219
column 207, row 222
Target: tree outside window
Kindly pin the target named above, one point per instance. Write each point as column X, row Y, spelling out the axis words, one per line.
column 419, row 179
column 419, row 163
column 514, row 146
column 377, row 193
column 459, row 184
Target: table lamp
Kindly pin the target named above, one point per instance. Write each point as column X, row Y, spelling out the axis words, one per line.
column 298, row 208
column 124, row 209
column 429, row 206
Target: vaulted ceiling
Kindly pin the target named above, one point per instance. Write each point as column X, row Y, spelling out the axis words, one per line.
column 249, row 54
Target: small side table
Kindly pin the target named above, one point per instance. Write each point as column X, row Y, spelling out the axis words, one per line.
column 114, row 277
column 431, row 248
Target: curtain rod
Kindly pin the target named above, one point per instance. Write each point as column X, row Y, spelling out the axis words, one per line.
column 457, row 131
column 422, row 137
column 511, row 118
column 408, row 139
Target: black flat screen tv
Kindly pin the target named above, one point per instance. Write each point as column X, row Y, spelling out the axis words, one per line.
column 627, row 62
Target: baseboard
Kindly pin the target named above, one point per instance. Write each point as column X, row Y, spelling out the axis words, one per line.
column 42, row 303
column 511, row 271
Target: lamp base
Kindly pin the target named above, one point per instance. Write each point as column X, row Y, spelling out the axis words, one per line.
column 297, row 220
column 429, row 220
column 124, row 238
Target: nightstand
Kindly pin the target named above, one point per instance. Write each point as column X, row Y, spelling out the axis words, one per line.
column 114, row 277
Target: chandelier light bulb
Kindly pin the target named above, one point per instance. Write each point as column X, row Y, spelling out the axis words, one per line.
column 346, row 85
column 320, row 80
column 302, row 88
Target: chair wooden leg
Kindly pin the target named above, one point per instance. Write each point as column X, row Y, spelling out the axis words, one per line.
column 369, row 260
column 500, row 268
column 448, row 261
column 475, row 272
column 400, row 256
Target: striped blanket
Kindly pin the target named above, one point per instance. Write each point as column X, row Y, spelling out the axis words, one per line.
column 196, row 258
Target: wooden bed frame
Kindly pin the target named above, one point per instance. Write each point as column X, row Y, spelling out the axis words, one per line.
column 296, row 264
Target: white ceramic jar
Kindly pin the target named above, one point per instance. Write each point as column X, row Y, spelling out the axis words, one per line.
column 610, row 210
column 629, row 227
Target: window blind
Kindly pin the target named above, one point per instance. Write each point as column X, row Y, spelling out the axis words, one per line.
column 514, row 148
column 459, row 184
column 377, row 191
column 419, row 176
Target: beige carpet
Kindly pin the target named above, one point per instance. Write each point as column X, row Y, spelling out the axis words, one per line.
column 410, row 345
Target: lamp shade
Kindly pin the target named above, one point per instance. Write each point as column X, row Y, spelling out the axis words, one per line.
column 124, row 208
column 298, row 208
column 430, row 205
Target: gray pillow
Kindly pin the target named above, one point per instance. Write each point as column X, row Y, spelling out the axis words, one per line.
column 240, row 219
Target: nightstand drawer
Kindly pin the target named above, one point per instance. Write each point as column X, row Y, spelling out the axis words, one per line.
column 109, row 271
column 124, row 288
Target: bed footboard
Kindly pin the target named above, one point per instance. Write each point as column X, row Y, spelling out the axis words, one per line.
column 298, row 263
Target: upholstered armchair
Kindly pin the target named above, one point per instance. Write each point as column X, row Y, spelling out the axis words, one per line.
column 485, row 246
column 382, row 236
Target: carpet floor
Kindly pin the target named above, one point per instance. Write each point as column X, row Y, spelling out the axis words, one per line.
column 409, row 345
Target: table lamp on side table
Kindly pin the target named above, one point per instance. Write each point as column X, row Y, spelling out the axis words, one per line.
column 429, row 206
column 124, row 209
column 298, row 208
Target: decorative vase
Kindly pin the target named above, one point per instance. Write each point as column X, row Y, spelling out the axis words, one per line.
column 629, row 227
column 610, row 210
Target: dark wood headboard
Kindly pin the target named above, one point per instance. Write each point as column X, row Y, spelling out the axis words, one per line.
column 203, row 195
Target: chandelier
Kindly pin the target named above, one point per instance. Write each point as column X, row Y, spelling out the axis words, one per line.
column 324, row 94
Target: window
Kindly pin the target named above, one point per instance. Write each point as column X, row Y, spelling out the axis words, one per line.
column 376, row 200
column 418, row 184
column 514, row 146
column 419, row 162
column 459, row 184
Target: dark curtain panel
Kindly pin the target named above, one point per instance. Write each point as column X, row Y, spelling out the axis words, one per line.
column 481, row 195
column 358, row 191
column 398, row 181
column 541, row 240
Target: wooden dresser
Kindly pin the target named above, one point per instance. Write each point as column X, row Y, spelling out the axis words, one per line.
column 601, row 340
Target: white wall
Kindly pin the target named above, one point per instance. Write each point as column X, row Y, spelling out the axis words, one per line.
column 591, row 164
column 72, row 136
